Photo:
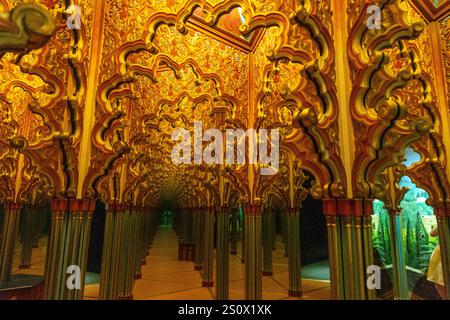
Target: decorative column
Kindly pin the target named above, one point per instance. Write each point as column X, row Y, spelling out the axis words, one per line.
column 335, row 257
column 399, row 275
column 11, row 215
column 284, row 236
column 253, row 249
column 68, row 246
column 293, row 247
column 188, row 236
column 208, row 262
column 29, row 215
column 179, row 223
column 442, row 90
column 222, row 253
column 124, row 250
column 443, row 224
column 243, row 237
column 111, row 253
column 185, row 244
column 349, row 246
column 274, row 231
column 199, row 226
column 139, row 256
column 147, row 234
column 126, row 270
column 234, row 230
column 267, row 234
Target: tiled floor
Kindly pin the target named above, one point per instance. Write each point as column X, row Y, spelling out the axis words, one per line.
column 37, row 258
column 166, row 278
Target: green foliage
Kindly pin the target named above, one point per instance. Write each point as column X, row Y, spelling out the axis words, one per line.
column 381, row 236
column 417, row 243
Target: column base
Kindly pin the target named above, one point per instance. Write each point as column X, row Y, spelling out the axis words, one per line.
column 138, row 276
column 295, row 293
column 242, row 260
column 35, row 246
column 268, row 273
column 197, row 268
column 233, row 252
column 143, row 263
column 130, row 297
column 208, row 284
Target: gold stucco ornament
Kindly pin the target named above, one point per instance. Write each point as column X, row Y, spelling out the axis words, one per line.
column 27, row 26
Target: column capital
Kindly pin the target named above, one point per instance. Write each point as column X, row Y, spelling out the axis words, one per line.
column 252, row 209
column 347, row 207
column 293, row 211
column 330, row 207
column 82, row 205
column 59, row 204
column 114, row 207
column 9, row 205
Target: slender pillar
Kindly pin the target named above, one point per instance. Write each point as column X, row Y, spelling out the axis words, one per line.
column 199, row 226
column 253, row 248
column 222, row 253
column 274, row 231
column 443, row 222
column 284, row 233
column 335, row 258
column 10, row 227
column 111, row 253
column 68, row 246
column 401, row 291
column 267, row 227
column 234, row 230
column 293, row 245
column 126, row 270
column 243, row 238
column 139, row 245
column 208, row 262
column 350, row 247
column 188, row 236
column 29, row 215
column 146, row 234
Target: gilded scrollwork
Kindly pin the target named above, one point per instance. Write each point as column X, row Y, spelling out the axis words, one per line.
column 231, row 64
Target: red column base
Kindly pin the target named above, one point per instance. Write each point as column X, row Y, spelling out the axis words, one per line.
column 207, row 284
column 35, row 246
column 234, row 252
column 268, row 273
column 130, row 297
column 144, row 263
column 295, row 293
column 24, row 266
column 138, row 276
column 197, row 268
column 242, row 260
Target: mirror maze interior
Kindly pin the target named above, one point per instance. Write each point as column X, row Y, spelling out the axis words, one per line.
column 94, row 206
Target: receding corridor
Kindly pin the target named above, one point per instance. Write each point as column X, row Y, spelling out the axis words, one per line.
column 166, row 278
column 225, row 149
